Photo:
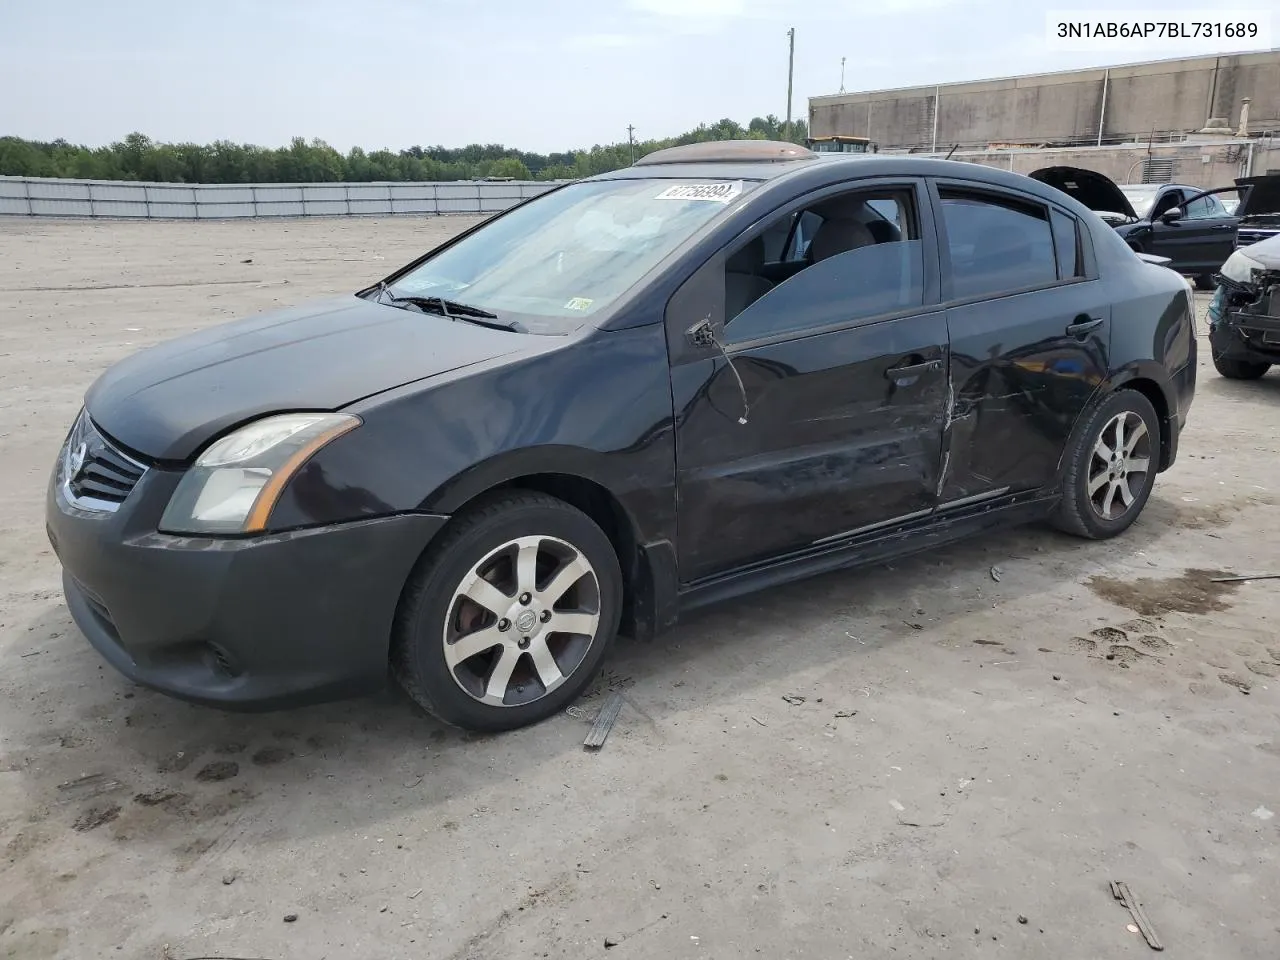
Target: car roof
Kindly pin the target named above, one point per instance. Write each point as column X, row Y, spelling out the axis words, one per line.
column 833, row 167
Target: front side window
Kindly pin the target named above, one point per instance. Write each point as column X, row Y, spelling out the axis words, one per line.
column 554, row 262
column 1168, row 200
column 850, row 258
column 997, row 244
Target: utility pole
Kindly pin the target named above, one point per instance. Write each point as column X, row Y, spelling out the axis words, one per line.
column 631, row 139
column 791, row 65
column 842, row 74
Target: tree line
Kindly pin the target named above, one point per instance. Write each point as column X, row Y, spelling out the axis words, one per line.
column 138, row 157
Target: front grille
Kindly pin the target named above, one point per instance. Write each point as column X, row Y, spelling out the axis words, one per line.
column 1245, row 237
column 98, row 475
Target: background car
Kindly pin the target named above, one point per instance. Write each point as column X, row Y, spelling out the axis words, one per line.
column 1244, row 314
column 1189, row 226
column 614, row 403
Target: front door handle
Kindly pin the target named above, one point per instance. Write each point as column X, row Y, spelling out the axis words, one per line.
column 912, row 370
column 1081, row 327
column 1225, row 226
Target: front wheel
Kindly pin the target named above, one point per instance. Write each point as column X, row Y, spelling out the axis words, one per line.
column 506, row 620
column 1111, row 467
column 1240, row 369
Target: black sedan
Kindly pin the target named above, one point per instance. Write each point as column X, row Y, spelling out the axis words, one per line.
column 1190, row 227
column 727, row 366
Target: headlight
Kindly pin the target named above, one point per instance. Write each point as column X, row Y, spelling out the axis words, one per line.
column 235, row 483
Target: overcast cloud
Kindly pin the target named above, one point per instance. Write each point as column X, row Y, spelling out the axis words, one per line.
column 540, row 76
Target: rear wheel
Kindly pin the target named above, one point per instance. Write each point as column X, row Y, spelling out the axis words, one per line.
column 1240, row 369
column 508, row 618
column 1111, row 467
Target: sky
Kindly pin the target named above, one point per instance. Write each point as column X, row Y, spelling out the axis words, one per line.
column 543, row 76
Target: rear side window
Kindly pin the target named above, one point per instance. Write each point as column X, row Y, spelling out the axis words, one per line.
column 1066, row 245
column 1202, row 208
column 997, row 244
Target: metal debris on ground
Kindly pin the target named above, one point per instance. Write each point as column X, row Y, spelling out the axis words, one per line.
column 1260, row 576
column 844, row 714
column 995, row 574
column 759, row 721
column 604, row 722
column 794, row 699
column 1120, row 891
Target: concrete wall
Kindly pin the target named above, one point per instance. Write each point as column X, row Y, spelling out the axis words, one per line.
column 26, row 196
column 1167, row 96
column 1211, row 164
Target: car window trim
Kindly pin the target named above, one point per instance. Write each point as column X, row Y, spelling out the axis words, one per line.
column 913, row 184
column 937, row 184
column 1079, row 234
column 790, row 336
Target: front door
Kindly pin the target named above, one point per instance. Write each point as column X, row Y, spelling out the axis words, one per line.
column 1029, row 327
column 822, row 418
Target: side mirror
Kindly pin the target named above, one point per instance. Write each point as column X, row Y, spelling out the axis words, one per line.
column 1171, row 215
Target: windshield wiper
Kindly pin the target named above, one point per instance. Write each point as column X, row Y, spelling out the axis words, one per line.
column 452, row 309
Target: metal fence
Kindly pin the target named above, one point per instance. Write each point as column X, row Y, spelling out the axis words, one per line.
column 116, row 199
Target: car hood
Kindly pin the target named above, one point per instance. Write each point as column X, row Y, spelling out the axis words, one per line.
column 1262, row 197
column 1263, row 255
column 167, row 401
column 1096, row 191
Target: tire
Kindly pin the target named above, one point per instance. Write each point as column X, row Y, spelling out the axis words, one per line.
column 1240, row 369
column 1095, row 513
column 487, row 547
column 1204, row 282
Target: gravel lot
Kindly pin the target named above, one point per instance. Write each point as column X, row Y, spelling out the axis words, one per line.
column 969, row 752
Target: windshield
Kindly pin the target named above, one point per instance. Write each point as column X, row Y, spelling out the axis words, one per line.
column 571, row 253
column 1142, row 197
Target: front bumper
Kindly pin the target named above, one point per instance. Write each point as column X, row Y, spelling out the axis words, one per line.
column 256, row 623
column 1248, row 334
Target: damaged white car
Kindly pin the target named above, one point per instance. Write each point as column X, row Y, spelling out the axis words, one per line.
column 1244, row 314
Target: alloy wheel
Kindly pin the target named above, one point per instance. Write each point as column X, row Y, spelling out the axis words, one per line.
column 1119, row 465
column 522, row 621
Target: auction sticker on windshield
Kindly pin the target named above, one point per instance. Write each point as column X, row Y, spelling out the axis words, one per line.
column 716, row 192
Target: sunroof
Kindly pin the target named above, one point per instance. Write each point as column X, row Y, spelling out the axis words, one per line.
column 728, row 151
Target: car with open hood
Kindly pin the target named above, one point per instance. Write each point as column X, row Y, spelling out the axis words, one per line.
column 1244, row 314
column 1191, row 227
column 727, row 366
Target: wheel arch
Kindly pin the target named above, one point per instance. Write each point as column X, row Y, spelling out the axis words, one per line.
column 1150, row 380
column 580, row 479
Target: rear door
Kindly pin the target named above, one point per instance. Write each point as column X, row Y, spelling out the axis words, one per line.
column 1029, row 325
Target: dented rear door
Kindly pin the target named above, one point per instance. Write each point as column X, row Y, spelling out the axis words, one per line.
column 1030, row 328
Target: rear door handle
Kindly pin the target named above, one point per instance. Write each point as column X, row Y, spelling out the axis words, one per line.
column 1082, row 327
column 912, row 370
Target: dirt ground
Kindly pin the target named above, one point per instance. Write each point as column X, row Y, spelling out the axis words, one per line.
column 918, row 760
